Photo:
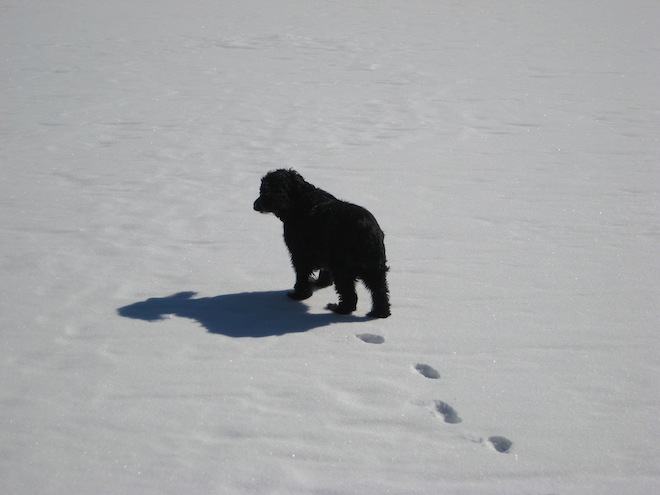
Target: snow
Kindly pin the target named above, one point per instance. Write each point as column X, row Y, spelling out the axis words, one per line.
column 508, row 149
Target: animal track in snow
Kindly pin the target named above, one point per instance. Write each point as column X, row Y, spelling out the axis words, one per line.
column 501, row 444
column 427, row 371
column 370, row 338
column 449, row 415
column 442, row 409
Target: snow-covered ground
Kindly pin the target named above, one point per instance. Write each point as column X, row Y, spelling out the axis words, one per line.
column 510, row 150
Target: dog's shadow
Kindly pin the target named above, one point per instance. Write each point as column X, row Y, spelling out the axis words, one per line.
column 247, row 314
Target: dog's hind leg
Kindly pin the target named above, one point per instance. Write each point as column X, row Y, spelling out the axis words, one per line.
column 376, row 282
column 345, row 287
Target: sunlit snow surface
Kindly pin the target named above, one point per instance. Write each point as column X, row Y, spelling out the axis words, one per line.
column 510, row 151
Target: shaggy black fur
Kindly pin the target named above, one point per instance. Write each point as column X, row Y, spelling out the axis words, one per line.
column 341, row 240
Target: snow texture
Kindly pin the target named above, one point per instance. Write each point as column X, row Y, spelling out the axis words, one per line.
column 510, row 151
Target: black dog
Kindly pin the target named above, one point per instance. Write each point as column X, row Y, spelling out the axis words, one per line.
column 340, row 239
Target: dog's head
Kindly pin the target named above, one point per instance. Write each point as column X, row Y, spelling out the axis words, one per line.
column 278, row 192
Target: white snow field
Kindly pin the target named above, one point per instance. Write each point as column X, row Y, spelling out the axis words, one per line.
column 510, row 150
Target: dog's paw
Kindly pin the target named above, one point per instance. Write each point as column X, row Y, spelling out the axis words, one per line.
column 339, row 309
column 299, row 295
column 383, row 313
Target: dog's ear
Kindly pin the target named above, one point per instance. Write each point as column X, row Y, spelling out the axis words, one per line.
column 296, row 183
column 295, row 178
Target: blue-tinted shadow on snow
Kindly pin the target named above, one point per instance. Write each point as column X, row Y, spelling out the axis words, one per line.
column 247, row 314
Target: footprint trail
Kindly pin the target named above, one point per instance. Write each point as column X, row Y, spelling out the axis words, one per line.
column 440, row 408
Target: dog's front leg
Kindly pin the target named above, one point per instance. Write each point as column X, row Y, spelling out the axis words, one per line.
column 302, row 289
